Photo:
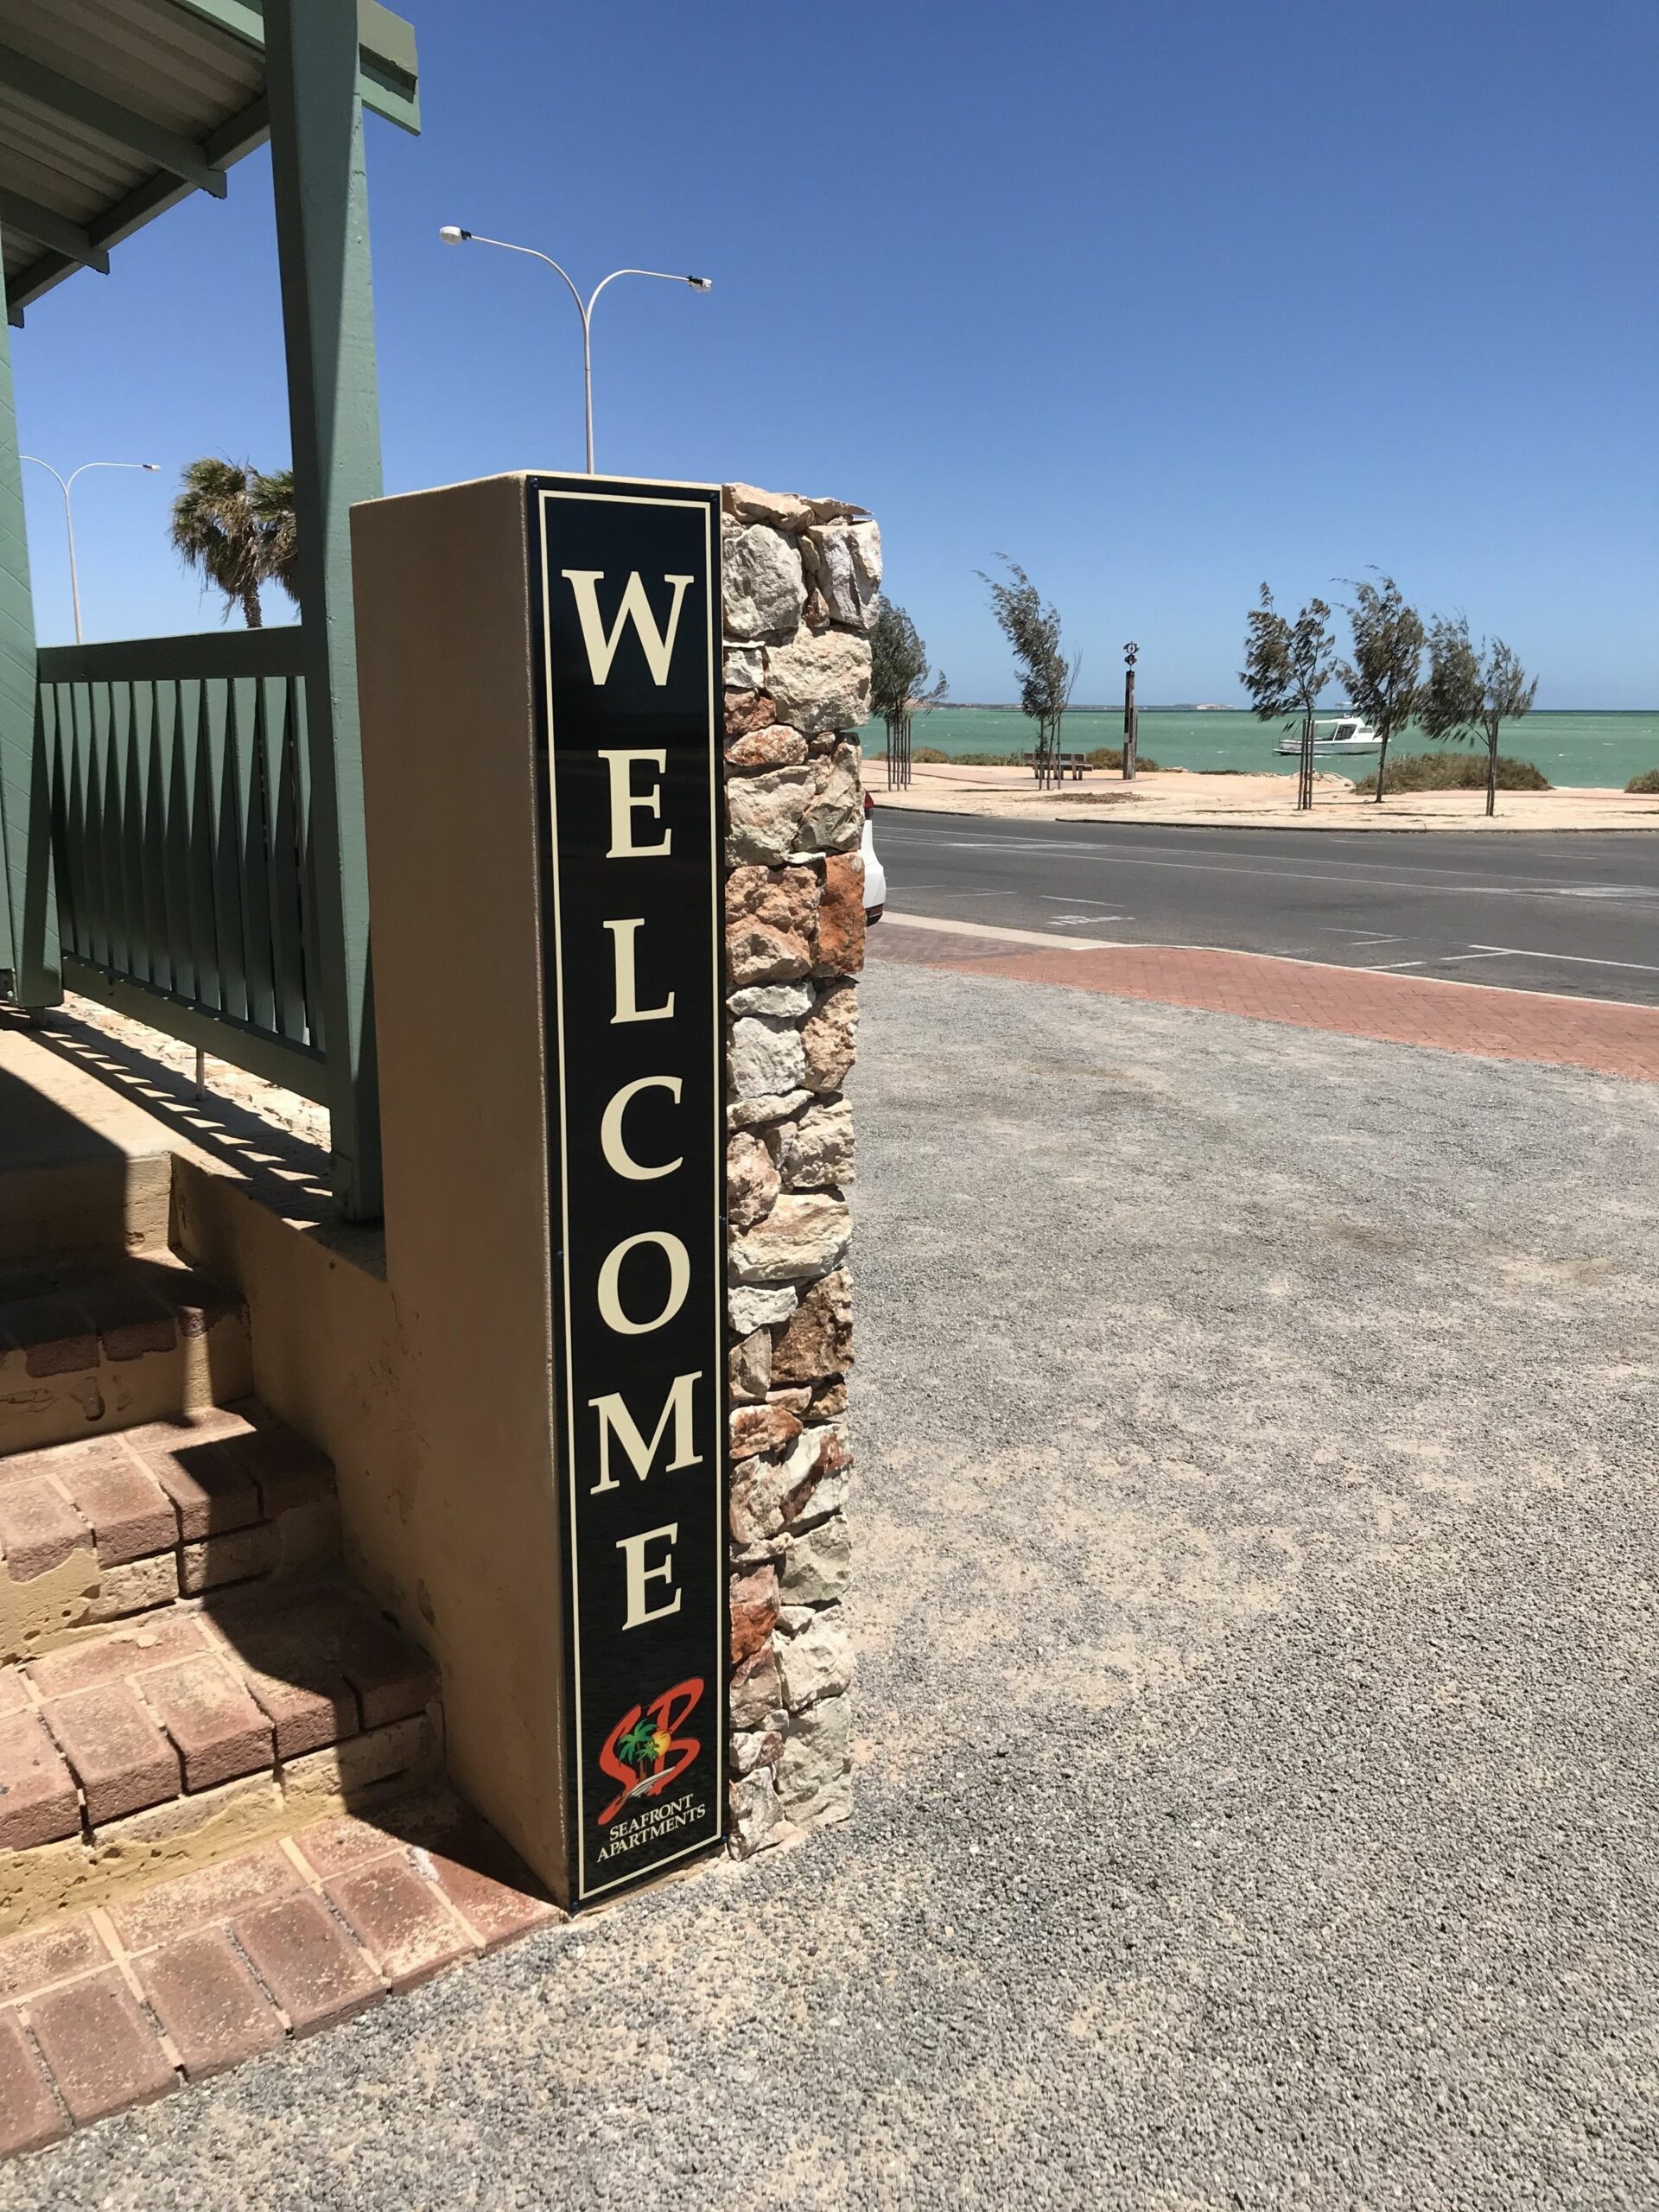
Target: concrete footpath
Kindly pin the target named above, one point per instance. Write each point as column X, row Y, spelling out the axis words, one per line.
column 1254, row 1517
column 1199, row 798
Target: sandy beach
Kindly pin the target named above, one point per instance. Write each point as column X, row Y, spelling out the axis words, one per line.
column 1180, row 797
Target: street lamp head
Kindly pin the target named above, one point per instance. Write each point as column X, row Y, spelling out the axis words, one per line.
column 452, row 234
column 701, row 284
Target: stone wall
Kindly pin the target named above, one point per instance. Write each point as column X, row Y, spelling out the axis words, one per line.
column 801, row 577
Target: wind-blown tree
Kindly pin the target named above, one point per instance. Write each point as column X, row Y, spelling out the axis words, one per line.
column 1046, row 676
column 238, row 528
column 1382, row 677
column 1471, row 693
column 272, row 499
column 899, row 674
column 1286, row 665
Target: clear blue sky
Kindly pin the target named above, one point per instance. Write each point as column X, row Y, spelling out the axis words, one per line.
column 1162, row 299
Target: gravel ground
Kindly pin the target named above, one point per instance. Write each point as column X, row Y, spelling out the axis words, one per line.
column 1256, row 1514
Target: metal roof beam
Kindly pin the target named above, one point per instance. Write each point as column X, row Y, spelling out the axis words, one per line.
column 388, row 69
column 178, row 155
column 226, row 148
column 17, row 213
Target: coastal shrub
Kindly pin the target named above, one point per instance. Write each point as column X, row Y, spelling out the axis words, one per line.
column 1645, row 785
column 928, row 754
column 1455, row 772
column 1111, row 756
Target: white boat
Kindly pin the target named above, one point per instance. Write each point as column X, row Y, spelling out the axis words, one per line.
column 1338, row 733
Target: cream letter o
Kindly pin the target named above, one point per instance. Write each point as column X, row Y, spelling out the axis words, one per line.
column 679, row 1281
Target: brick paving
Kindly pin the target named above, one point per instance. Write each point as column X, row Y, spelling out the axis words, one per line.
column 195, row 1697
column 105, row 2009
column 169, row 1507
column 1472, row 1018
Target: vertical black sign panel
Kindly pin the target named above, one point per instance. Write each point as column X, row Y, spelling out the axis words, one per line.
column 628, row 595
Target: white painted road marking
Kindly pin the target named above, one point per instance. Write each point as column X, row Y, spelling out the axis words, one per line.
column 1579, row 959
column 1397, row 882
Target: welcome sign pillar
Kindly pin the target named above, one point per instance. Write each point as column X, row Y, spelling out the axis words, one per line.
column 626, row 1477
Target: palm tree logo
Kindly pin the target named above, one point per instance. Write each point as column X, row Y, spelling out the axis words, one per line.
column 643, row 1746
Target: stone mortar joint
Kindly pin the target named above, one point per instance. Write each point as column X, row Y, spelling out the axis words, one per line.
column 801, row 580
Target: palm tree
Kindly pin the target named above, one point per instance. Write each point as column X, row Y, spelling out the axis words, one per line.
column 238, row 528
column 272, row 499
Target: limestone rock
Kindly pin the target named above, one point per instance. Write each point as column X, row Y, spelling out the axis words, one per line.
column 817, row 1565
column 845, row 561
column 783, row 1001
column 821, row 683
column 764, row 1057
column 761, row 1428
column 833, row 818
column 829, row 1036
column 839, row 948
column 830, row 1399
column 817, row 1662
column 744, row 668
column 762, row 588
column 753, row 1611
column 803, row 1237
column 771, row 920
column 773, row 1489
column 749, row 1308
column 816, row 1153
column 753, row 1748
column 815, row 1763
column 757, row 1817
column 837, row 511
column 756, row 1691
column 818, row 1338
column 773, row 745
column 764, row 814
column 755, row 1113
column 748, row 1367
column 749, row 710
column 752, row 1179
column 750, row 503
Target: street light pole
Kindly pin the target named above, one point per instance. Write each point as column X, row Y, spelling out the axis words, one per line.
column 64, row 483
column 452, row 234
column 1131, row 715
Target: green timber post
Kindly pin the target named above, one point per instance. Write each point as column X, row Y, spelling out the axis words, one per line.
column 322, row 247
column 28, row 914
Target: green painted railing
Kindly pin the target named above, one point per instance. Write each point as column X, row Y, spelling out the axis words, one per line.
column 180, row 814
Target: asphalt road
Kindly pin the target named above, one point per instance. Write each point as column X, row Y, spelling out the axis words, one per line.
column 1255, row 1516
column 1571, row 912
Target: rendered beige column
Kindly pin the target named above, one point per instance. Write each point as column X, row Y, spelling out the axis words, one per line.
column 449, row 761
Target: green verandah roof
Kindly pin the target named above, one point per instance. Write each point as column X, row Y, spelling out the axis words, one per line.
column 112, row 111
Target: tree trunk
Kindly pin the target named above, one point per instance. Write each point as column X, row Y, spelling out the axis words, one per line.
column 1381, row 766
column 252, row 612
column 1492, row 773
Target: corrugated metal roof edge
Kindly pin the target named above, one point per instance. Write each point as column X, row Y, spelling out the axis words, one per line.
column 388, row 84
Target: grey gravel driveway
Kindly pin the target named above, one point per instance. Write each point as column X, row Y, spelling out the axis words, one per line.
column 1256, row 1504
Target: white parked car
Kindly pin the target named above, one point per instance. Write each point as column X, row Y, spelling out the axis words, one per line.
column 875, row 876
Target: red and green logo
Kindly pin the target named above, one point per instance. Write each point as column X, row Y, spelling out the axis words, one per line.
column 645, row 1751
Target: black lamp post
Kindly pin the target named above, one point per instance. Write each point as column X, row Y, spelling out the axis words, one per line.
column 1131, row 713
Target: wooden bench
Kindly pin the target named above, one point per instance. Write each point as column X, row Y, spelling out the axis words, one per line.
column 1075, row 764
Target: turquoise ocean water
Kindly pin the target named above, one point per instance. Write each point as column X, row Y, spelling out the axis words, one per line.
column 1604, row 750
